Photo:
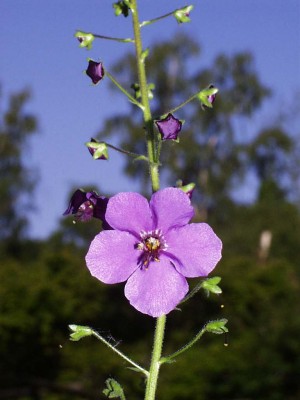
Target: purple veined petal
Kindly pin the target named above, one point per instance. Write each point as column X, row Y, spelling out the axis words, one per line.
column 156, row 290
column 129, row 212
column 196, row 249
column 171, row 207
column 112, row 256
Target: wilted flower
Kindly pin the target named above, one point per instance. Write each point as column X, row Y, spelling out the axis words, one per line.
column 97, row 149
column 169, row 127
column 153, row 248
column 95, row 71
column 86, row 205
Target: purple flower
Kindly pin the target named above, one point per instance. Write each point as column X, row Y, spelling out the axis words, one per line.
column 95, row 71
column 169, row 127
column 86, row 205
column 153, row 248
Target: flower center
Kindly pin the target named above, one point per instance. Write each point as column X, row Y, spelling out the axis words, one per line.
column 151, row 244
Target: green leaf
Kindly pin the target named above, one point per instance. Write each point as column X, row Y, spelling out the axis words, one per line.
column 79, row 332
column 218, row 327
column 114, row 390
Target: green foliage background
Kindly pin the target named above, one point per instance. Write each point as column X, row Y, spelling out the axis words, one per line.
column 45, row 285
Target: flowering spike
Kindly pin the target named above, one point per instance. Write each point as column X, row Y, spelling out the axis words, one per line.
column 97, row 149
column 169, row 127
column 95, row 71
column 183, row 14
column 85, row 39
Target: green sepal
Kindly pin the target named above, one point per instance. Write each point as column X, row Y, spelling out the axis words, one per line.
column 100, row 150
column 211, row 285
column 218, row 327
column 183, row 14
column 85, row 39
column 203, row 96
column 79, row 332
column 113, row 389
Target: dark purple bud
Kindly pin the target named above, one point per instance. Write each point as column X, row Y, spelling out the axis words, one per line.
column 169, row 127
column 95, row 71
column 86, row 205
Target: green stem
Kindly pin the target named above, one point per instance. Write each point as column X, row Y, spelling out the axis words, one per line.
column 184, row 348
column 152, row 146
column 126, row 40
column 128, row 153
column 194, row 96
column 151, row 137
column 123, row 90
column 119, row 353
column 155, row 361
column 151, row 21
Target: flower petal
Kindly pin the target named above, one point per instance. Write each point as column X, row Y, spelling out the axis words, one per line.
column 112, row 256
column 129, row 212
column 196, row 248
column 171, row 207
column 156, row 290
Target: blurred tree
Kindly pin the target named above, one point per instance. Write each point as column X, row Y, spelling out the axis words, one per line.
column 17, row 180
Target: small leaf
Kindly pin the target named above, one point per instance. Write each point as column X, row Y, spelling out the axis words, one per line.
column 114, row 390
column 79, row 332
column 218, row 327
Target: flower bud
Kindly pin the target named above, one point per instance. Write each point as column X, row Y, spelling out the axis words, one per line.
column 97, row 149
column 183, row 14
column 207, row 96
column 85, row 39
column 95, row 71
column 169, row 127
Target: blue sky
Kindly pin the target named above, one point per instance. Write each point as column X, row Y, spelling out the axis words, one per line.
column 39, row 52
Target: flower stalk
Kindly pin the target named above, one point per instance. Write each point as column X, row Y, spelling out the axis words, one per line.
column 151, row 137
column 152, row 145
